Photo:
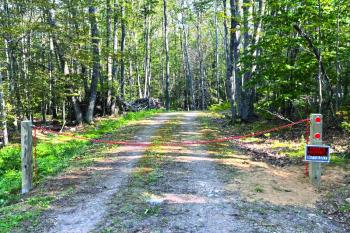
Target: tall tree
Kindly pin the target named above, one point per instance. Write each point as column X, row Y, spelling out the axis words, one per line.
column 167, row 58
column 96, row 62
column 109, row 60
column 3, row 112
column 230, row 64
column 122, row 50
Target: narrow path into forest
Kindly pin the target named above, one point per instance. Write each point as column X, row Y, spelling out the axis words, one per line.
column 174, row 189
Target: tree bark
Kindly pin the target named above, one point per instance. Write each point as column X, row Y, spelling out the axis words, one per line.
column 192, row 99
column 247, row 107
column 96, row 62
column 201, row 61
column 234, row 45
column 122, row 50
column 3, row 119
column 109, row 62
column 147, row 48
column 115, row 52
column 216, row 62
column 167, row 58
column 229, row 61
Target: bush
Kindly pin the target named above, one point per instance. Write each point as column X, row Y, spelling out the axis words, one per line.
column 10, row 183
column 344, row 116
column 10, row 158
column 220, row 107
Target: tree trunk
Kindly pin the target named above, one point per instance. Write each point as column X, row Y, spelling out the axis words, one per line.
column 3, row 113
column 216, row 62
column 109, row 62
column 247, row 92
column 229, row 62
column 234, row 44
column 52, row 79
column 201, row 61
column 122, row 48
column 96, row 62
column 167, row 58
column 189, row 75
column 147, row 48
column 337, row 66
column 115, row 60
column 138, row 81
column 54, row 46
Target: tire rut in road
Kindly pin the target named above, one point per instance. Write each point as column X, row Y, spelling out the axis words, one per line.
column 81, row 211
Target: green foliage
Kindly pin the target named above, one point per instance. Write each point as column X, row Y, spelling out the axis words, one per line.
column 9, row 158
column 345, row 118
column 346, row 126
column 345, row 208
column 12, row 216
column 258, row 189
column 220, row 107
column 10, row 183
column 54, row 154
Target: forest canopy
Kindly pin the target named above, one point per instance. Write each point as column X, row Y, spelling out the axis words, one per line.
column 73, row 59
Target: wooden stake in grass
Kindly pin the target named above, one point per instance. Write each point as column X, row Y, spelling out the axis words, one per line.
column 27, row 156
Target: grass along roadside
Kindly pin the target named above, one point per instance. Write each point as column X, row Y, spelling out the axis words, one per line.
column 55, row 153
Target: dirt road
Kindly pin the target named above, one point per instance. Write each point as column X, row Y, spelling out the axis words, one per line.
column 83, row 210
column 178, row 189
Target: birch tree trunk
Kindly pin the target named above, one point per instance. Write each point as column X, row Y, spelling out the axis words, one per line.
column 167, row 58
column 216, row 62
column 109, row 62
column 147, row 48
column 3, row 113
column 115, row 60
column 122, row 50
column 200, row 59
column 192, row 99
column 337, row 66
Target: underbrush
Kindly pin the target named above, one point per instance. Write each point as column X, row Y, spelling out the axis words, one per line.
column 53, row 154
column 220, row 107
column 287, row 142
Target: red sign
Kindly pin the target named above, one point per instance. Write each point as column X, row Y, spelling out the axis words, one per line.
column 317, row 153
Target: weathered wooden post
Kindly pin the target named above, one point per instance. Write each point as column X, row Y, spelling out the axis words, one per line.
column 315, row 139
column 27, row 156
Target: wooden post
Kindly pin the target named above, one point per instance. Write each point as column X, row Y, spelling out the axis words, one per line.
column 316, row 122
column 27, row 156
